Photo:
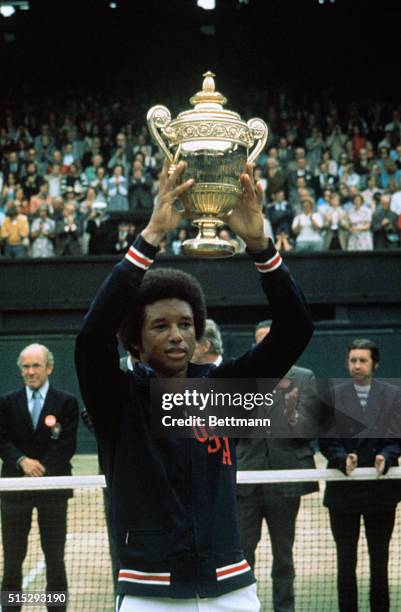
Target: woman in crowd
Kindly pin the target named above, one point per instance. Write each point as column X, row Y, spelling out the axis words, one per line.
column 42, row 234
column 359, row 222
column 335, row 224
column 9, row 189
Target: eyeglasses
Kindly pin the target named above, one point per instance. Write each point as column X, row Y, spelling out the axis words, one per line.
column 31, row 366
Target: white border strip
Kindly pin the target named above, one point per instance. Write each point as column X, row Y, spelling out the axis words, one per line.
column 243, row 477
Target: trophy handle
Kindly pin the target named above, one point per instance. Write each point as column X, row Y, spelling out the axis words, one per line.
column 159, row 117
column 259, row 131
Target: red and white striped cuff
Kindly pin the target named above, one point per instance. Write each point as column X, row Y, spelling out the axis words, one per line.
column 138, row 259
column 229, row 571
column 270, row 265
column 128, row 575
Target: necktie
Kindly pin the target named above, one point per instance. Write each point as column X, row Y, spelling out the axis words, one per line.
column 37, row 408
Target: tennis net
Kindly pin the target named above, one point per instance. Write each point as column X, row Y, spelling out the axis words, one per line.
column 88, row 559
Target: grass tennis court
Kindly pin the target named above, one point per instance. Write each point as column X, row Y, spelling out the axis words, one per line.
column 89, row 568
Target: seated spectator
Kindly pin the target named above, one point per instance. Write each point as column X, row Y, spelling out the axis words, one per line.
column 55, row 180
column 125, row 237
column 44, row 142
column 302, row 170
column 343, row 162
column 297, row 195
column 57, row 208
column 68, row 231
column 280, row 215
column 32, row 180
column 11, row 164
column 350, row 177
column 90, row 171
column 140, row 189
column 395, row 155
column 314, row 146
column 67, row 158
column 284, row 153
column 299, row 153
column 331, row 163
column 358, row 141
column 345, row 197
column 323, row 179
column 85, row 206
column 100, row 183
column 42, row 233
column 359, row 222
column 120, row 155
column 335, row 142
column 75, row 179
column 390, row 174
column 385, row 225
column 176, row 244
column 307, row 226
column 71, row 197
column 335, row 224
column 31, row 157
column 14, row 233
column 363, row 167
column 8, row 193
column 369, row 193
column 101, row 230
column 323, row 203
column 42, row 197
column 117, row 190
column 275, row 177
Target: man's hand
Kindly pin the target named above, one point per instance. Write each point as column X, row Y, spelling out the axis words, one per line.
column 165, row 216
column 246, row 220
column 351, row 463
column 32, row 467
column 380, row 464
column 290, row 406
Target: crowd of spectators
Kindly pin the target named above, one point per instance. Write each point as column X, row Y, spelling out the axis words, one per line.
column 82, row 181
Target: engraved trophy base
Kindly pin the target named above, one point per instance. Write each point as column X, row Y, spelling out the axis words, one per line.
column 207, row 243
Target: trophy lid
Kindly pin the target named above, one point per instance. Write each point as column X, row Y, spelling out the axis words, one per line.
column 208, row 120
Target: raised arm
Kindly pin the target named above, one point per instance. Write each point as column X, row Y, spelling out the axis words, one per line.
column 96, row 355
column 292, row 325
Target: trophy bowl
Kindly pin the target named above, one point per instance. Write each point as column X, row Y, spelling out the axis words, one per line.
column 216, row 144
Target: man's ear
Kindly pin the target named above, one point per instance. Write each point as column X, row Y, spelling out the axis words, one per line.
column 376, row 365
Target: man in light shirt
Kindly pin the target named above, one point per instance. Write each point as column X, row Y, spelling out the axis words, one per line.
column 38, row 427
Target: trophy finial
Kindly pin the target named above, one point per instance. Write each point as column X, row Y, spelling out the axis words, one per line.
column 208, row 82
column 208, row 94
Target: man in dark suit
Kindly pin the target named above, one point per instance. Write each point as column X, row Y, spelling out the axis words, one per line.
column 278, row 504
column 38, row 427
column 367, row 425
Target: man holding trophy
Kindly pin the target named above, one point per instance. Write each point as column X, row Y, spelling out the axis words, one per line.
column 173, row 500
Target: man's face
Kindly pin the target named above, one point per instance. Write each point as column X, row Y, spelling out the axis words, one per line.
column 385, row 201
column 34, row 369
column 261, row 333
column 361, row 366
column 168, row 337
